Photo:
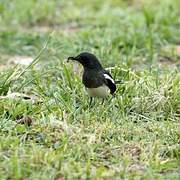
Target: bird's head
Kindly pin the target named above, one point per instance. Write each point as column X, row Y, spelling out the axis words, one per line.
column 88, row 60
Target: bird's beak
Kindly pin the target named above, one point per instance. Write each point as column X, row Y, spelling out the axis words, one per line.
column 71, row 58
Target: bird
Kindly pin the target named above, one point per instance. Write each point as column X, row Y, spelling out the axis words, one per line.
column 97, row 81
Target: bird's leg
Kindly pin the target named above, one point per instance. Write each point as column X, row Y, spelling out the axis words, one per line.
column 102, row 101
column 90, row 102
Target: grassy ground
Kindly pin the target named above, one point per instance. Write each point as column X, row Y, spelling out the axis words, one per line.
column 135, row 135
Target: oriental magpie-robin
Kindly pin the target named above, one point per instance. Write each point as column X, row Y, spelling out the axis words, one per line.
column 97, row 80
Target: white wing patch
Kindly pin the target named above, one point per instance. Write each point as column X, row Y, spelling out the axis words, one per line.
column 108, row 77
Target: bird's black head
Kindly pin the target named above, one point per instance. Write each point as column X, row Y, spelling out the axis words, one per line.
column 88, row 60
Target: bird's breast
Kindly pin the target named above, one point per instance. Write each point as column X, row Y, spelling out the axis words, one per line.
column 92, row 79
column 101, row 91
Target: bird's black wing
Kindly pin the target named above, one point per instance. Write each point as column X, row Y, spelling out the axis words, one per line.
column 108, row 79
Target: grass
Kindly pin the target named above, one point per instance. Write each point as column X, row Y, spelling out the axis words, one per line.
column 134, row 135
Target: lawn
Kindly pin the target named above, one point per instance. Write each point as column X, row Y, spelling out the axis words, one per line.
column 48, row 130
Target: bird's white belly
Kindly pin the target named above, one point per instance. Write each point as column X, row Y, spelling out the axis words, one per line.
column 102, row 91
